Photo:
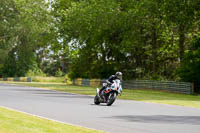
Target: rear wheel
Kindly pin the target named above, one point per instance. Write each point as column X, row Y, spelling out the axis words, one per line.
column 96, row 100
column 111, row 98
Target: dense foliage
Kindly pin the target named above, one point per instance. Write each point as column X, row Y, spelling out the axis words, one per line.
column 190, row 69
column 143, row 39
column 95, row 38
column 26, row 28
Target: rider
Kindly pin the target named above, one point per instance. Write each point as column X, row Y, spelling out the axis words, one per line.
column 109, row 81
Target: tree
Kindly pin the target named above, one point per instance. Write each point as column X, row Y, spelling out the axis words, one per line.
column 182, row 16
column 95, row 38
column 32, row 31
column 190, row 71
column 8, row 17
column 106, row 34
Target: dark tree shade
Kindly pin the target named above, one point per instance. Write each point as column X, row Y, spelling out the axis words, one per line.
column 190, row 69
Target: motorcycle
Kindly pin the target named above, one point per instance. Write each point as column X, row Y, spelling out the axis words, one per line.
column 109, row 94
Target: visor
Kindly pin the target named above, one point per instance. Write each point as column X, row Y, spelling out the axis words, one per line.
column 119, row 76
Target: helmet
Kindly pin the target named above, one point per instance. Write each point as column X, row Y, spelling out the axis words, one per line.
column 118, row 75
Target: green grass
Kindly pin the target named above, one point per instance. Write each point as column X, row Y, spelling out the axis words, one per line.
column 16, row 122
column 52, row 79
column 48, row 79
column 154, row 96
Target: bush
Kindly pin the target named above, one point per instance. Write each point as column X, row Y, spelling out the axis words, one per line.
column 59, row 73
column 38, row 72
column 35, row 71
column 68, row 80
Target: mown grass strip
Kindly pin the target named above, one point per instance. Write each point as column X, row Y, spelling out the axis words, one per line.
column 154, row 96
column 17, row 122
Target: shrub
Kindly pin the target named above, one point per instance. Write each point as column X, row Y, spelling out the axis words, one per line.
column 67, row 79
column 59, row 73
column 35, row 71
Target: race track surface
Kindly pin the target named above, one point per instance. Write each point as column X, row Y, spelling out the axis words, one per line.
column 123, row 117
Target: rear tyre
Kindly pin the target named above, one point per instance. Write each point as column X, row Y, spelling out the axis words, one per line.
column 96, row 100
column 111, row 98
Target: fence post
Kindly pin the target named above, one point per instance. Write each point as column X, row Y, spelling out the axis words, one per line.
column 192, row 89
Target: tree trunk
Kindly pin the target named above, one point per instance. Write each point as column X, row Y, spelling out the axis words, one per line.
column 63, row 63
column 181, row 41
column 154, row 48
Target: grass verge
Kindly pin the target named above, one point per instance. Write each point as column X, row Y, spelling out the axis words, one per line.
column 154, row 96
column 52, row 79
column 16, row 122
column 48, row 79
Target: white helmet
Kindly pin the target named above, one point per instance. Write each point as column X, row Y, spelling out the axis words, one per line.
column 118, row 75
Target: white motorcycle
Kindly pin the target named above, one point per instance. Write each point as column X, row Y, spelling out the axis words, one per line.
column 109, row 94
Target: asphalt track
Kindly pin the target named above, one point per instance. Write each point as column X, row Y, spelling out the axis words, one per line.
column 123, row 117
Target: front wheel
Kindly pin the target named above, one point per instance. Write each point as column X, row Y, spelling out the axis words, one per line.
column 96, row 100
column 111, row 98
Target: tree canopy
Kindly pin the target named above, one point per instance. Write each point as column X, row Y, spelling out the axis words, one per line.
column 143, row 39
column 147, row 39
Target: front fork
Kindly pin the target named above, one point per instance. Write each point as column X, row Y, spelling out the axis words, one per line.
column 102, row 97
column 98, row 91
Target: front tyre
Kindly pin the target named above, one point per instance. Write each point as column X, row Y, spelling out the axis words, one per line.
column 111, row 98
column 96, row 100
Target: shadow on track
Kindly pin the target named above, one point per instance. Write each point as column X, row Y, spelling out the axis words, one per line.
column 160, row 119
